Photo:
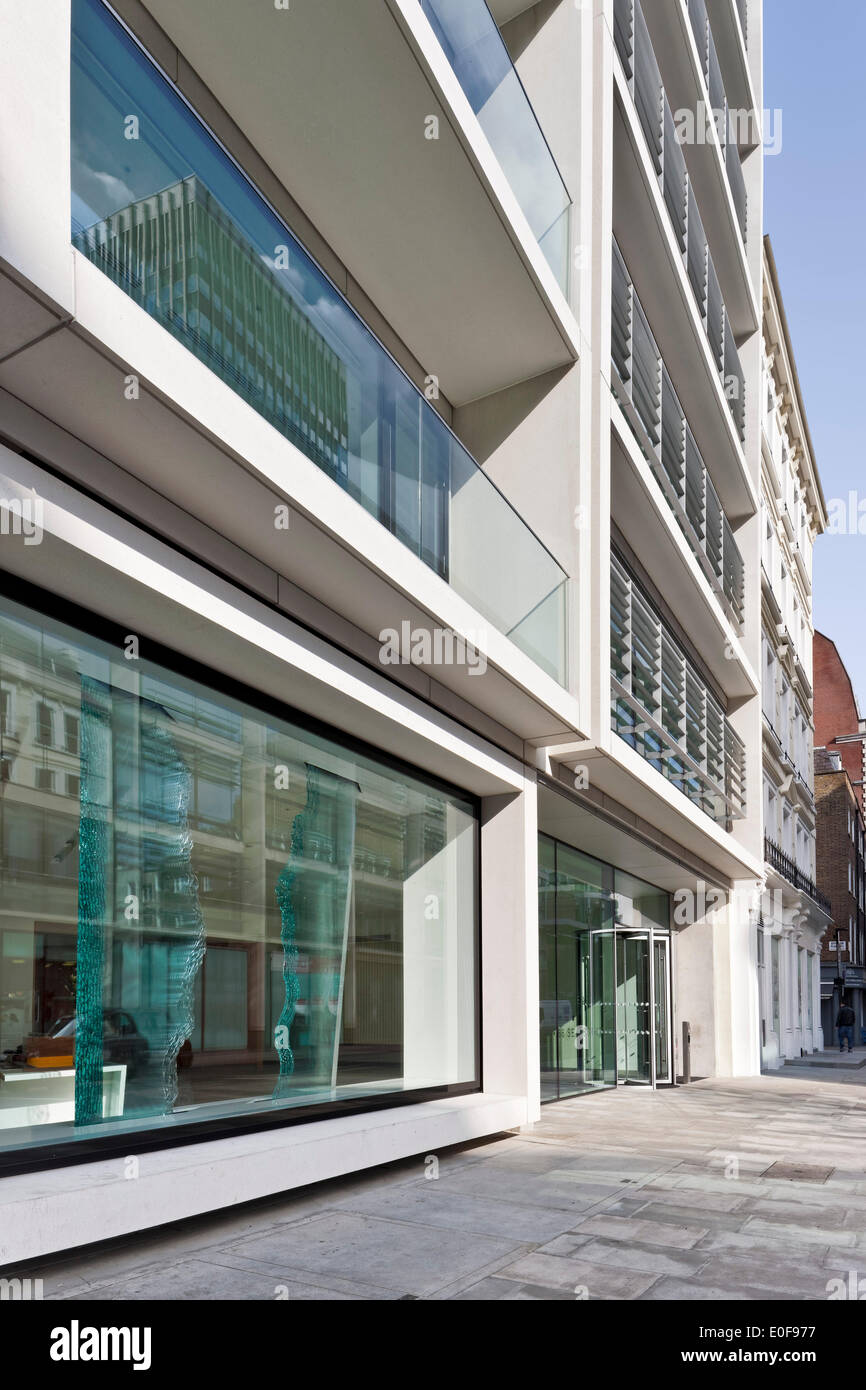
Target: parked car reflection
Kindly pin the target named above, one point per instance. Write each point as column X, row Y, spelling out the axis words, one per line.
column 122, row 1043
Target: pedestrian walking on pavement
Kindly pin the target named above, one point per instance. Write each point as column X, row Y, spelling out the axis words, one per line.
column 845, row 1026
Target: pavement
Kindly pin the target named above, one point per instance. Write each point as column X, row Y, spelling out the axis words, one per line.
column 750, row 1190
column 832, row 1057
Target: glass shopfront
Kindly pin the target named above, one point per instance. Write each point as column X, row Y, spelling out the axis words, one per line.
column 605, row 971
column 208, row 910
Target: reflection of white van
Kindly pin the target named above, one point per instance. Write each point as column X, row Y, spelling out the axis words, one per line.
column 552, row 1013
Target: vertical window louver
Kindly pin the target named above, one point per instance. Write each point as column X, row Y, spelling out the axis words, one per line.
column 623, row 32
column 715, row 317
column 662, row 707
column 656, row 118
column 673, row 437
column 675, row 181
column 697, row 255
column 644, row 388
column 621, row 317
column 646, row 374
column 648, row 91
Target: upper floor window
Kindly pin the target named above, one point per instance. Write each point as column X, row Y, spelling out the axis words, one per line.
column 771, row 823
column 70, row 732
column 44, row 724
column 6, row 708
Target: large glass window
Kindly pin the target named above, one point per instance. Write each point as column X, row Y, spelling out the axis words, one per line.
column 209, row 910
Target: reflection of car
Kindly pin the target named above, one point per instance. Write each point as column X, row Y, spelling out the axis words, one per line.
column 552, row 1013
column 121, row 1043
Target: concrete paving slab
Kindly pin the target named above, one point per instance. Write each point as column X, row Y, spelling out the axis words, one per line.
column 541, row 1191
column 798, row 1234
column 497, row 1289
column 438, row 1204
column 586, row 1281
column 388, row 1254
column 690, row 1217
column 774, row 1276
column 799, row 1213
column 675, row 1196
column 645, row 1259
column 646, row 1232
column 673, row 1290
column 204, row 1280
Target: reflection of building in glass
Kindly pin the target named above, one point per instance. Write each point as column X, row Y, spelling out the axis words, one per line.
column 364, row 943
column 180, row 256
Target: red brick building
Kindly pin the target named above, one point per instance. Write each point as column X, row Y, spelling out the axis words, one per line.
column 840, row 834
column 838, row 726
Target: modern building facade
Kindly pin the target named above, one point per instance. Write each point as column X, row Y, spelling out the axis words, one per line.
column 381, row 654
column 841, row 866
column 795, row 912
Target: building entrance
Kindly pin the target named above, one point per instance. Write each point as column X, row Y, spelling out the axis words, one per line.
column 605, row 980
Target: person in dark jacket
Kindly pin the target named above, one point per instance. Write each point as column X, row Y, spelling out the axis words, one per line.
column 845, row 1026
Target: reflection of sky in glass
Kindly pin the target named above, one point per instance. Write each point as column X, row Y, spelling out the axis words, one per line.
column 474, row 47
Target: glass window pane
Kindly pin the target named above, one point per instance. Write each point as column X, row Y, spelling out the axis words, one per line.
column 577, row 1003
column 547, row 1008
column 210, row 908
column 640, row 904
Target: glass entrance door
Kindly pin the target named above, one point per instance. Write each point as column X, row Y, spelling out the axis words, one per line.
column 601, row 1016
column 604, row 976
column 634, row 1009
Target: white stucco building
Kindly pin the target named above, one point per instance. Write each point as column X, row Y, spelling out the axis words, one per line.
column 795, row 914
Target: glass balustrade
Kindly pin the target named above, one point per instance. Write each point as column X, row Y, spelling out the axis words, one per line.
column 468, row 35
column 161, row 208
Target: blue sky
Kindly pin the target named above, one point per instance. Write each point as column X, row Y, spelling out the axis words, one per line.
column 815, row 213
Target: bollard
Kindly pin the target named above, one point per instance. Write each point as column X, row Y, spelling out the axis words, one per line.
column 687, row 1054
